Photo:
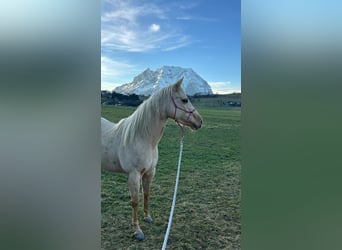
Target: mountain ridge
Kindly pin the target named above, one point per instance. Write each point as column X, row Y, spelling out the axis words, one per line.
column 149, row 81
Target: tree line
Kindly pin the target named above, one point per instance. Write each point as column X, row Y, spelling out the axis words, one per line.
column 113, row 98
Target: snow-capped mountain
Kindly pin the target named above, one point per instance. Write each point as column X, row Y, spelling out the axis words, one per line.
column 149, row 81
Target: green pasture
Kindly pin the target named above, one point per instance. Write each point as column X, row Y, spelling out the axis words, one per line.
column 207, row 212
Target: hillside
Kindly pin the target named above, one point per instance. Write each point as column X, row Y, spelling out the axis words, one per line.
column 228, row 100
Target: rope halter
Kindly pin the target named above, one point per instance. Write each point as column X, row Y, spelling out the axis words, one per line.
column 184, row 110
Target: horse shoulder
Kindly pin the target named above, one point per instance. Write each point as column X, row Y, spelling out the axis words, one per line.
column 138, row 156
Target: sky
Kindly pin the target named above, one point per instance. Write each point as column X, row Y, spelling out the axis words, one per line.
column 199, row 34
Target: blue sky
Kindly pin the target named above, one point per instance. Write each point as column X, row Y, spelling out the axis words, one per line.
column 200, row 34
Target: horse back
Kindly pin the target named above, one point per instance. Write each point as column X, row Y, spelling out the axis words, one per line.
column 117, row 156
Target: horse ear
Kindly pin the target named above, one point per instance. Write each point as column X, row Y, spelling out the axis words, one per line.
column 178, row 84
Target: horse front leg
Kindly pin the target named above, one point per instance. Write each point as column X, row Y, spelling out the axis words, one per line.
column 134, row 185
column 146, row 183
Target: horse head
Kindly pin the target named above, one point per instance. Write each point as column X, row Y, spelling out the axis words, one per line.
column 183, row 111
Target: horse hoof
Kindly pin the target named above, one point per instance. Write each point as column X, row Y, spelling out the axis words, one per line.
column 148, row 220
column 139, row 236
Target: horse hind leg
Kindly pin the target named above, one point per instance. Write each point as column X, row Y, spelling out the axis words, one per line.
column 134, row 185
column 146, row 183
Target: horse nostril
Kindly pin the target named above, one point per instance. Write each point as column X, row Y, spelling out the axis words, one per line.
column 200, row 124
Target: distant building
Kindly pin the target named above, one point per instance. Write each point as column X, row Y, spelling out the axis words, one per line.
column 232, row 104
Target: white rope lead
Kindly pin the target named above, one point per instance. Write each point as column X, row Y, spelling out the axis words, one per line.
column 174, row 197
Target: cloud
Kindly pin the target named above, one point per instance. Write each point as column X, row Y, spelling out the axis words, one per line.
column 126, row 27
column 184, row 18
column 154, row 27
column 224, row 87
column 114, row 73
column 194, row 18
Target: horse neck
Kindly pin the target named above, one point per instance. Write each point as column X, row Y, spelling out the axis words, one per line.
column 156, row 124
column 156, row 131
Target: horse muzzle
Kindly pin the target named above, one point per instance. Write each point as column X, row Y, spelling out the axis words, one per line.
column 196, row 126
column 193, row 125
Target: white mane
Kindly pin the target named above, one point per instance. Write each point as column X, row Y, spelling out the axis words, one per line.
column 139, row 123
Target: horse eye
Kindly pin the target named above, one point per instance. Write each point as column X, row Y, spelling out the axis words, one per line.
column 185, row 100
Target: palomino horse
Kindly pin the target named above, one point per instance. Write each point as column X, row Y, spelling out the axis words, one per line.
column 131, row 145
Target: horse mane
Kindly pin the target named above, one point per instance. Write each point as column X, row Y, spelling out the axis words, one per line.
column 139, row 123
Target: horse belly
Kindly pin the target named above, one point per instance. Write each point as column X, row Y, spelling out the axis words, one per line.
column 110, row 160
column 111, row 165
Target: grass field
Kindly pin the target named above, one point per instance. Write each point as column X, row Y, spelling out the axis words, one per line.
column 207, row 212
